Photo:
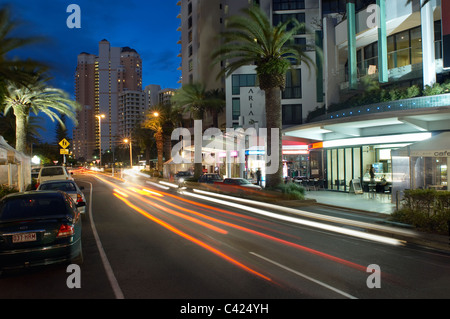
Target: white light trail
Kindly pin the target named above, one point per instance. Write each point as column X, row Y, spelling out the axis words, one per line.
column 336, row 229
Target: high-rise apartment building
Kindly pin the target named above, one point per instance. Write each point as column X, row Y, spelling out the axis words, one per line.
column 132, row 108
column 152, row 92
column 201, row 23
column 99, row 81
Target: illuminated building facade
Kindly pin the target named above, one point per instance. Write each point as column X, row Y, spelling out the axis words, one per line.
column 99, row 80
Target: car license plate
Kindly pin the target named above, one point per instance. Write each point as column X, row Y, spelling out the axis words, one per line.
column 22, row 238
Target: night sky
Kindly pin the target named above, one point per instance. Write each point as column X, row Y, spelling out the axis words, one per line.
column 148, row 26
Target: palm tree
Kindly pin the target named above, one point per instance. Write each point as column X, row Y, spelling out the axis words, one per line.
column 196, row 100
column 8, row 68
column 37, row 97
column 251, row 39
column 161, row 119
column 217, row 107
column 8, row 129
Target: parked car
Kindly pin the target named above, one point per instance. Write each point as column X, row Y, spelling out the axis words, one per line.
column 68, row 186
column 39, row 228
column 35, row 172
column 52, row 173
column 210, row 178
column 180, row 177
column 242, row 182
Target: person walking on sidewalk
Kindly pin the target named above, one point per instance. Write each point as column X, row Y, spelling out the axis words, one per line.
column 258, row 177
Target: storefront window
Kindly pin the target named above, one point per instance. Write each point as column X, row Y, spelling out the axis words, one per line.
column 430, row 172
column 345, row 164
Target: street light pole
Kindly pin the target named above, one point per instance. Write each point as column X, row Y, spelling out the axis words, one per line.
column 100, row 117
column 131, row 151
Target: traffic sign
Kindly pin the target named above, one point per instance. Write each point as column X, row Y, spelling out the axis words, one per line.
column 64, row 143
column 64, row 151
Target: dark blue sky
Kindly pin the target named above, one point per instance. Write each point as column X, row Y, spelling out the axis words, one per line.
column 148, row 26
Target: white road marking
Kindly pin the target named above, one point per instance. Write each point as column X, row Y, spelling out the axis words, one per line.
column 306, row 276
column 109, row 272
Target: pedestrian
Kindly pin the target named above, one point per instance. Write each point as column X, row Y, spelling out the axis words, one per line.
column 258, row 177
column 372, row 174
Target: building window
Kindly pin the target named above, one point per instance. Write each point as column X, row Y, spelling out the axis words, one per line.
column 236, row 108
column 416, row 45
column 288, row 4
column 438, row 39
column 371, row 55
column 292, row 114
column 280, row 18
column 293, row 88
column 242, row 80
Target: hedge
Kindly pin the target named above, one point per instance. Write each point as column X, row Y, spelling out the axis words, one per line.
column 5, row 190
column 426, row 209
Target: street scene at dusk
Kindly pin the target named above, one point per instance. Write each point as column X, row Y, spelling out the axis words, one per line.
column 225, row 157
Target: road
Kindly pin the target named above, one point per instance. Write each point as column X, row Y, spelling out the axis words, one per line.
column 144, row 242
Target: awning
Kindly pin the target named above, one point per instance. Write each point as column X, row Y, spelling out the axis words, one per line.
column 436, row 146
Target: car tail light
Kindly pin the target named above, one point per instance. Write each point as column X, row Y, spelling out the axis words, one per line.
column 65, row 231
column 79, row 198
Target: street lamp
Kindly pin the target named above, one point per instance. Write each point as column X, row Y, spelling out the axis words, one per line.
column 100, row 117
column 131, row 151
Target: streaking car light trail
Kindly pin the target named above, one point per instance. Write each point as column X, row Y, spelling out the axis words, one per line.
column 170, row 211
column 300, row 247
column 304, row 222
column 192, row 239
column 309, row 214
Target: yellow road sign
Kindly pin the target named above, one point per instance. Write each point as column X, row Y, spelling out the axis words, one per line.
column 64, row 143
column 64, row 151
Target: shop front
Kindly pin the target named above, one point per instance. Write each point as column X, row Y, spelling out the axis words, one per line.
column 350, row 161
column 423, row 165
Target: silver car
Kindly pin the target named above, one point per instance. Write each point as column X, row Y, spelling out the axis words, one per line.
column 69, row 187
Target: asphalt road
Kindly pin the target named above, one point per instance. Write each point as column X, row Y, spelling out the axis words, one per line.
column 144, row 242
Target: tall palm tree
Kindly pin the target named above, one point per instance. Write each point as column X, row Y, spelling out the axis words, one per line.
column 8, row 129
column 37, row 97
column 8, row 43
column 217, row 106
column 250, row 39
column 161, row 119
column 195, row 99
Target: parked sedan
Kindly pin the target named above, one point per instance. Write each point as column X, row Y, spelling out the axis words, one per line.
column 180, row 177
column 241, row 182
column 39, row 228
column 68, row 186
column 210, row 178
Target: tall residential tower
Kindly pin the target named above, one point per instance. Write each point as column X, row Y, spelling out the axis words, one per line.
column 99, row 81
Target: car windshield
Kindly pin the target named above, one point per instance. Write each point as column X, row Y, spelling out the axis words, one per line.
column 183, row 174
column 50, row 171
column 30, row 207
column 62, row 186
column 244, row 181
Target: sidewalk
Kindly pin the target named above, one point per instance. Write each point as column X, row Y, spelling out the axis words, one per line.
column 380, row 203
